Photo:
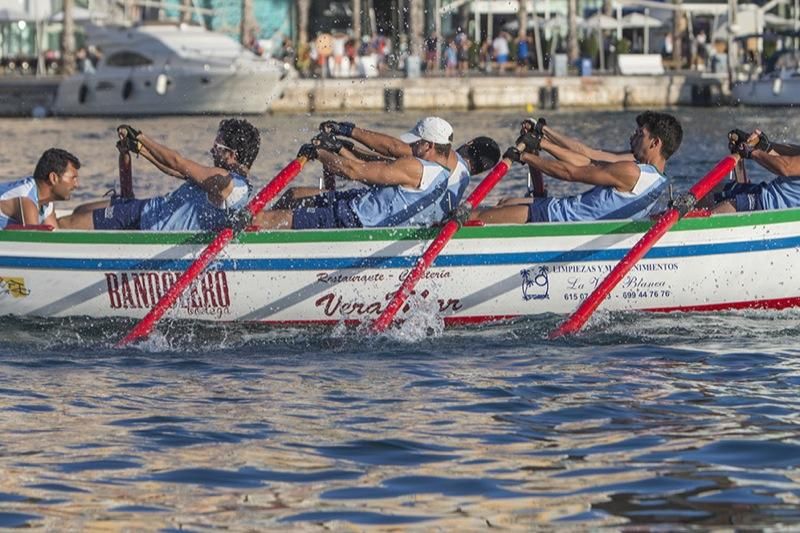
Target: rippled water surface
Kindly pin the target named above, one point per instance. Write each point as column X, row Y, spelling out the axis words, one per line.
column 660, row 421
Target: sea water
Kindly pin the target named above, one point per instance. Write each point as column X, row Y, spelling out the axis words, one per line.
column 654, row 421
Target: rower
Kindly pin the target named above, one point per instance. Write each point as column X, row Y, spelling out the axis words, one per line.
column 624, row 185
column 29, row 201
column 415, row 180
column 207, row 201
column 478, row 155
column 779, row 158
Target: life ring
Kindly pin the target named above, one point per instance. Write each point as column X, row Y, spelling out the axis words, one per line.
column 83, row 92
column 127, row 89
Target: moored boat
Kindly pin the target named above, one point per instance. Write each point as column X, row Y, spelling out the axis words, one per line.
column 170, row 69
column 485, row 273
column 779, row 85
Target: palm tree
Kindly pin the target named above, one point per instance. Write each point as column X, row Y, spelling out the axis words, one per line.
column 416, row 37
column 303, row 9
column 68, row 38
column 357, row 19
column 246, row 22
column 186, row 12
column 678, row 27
column 572, row 30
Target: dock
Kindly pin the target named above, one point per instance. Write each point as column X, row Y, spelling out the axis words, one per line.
column 488, row 92
column 34, row 96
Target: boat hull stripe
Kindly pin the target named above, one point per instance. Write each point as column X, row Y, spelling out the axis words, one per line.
column 454, row 260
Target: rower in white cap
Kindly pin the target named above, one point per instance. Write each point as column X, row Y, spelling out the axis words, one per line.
column 414, row 180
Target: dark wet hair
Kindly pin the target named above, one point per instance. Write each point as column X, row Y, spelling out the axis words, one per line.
column 442, row 149
column 664, row 127
column 481, row 153
column 243, row 137
column 54, row 160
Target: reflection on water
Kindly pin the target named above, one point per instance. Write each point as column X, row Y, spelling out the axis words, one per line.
column 633, row 422
column 658, row 420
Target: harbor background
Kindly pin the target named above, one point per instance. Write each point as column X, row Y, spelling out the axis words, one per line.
column 363, row 55
column 648, row 421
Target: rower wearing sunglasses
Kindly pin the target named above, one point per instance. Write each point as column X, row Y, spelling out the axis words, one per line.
column 207, row 200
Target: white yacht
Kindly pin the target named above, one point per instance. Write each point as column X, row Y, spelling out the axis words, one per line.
column 170, row 69
column 779, row 86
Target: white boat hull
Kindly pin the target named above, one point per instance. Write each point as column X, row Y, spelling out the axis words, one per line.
column 186, row 93
column 768, row 92
column 168, row 70
column 487, row 273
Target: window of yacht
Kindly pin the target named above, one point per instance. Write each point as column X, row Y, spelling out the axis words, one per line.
column 128, row 58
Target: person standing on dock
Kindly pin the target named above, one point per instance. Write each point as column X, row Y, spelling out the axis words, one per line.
column 624, row 185
column 209, row 198
column 781, row 159
column 29, row 201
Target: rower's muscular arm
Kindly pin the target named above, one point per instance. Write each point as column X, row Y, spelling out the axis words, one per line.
column 622, row 175
column 365, row 155
column 785, row 149
column 563, row 154
column 144, row 152
column 574, row 145
column 215, row 181
column 405, row 171
column 385, row 145
column 781, row 165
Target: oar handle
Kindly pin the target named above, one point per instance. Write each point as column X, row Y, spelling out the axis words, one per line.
column 125, row 174
column 445, row 234
column 145, row 326
column 642, row 246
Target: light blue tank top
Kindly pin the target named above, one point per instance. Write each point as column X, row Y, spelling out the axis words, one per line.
column 607, row 203
column 23, row 188
column 187, row 208
column 781, row 193
column 440, row 192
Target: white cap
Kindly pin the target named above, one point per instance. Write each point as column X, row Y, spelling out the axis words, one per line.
column 432, row 129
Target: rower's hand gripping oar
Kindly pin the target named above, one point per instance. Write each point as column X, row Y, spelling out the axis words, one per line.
column 447, row 231
column 535, row 177
column 682, row 205
column 259, row 201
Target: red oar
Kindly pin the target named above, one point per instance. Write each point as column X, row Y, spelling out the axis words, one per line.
column 445, row 234
column 662, row 225
column 270, row 190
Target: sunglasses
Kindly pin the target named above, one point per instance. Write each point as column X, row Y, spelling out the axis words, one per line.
column 219, row 146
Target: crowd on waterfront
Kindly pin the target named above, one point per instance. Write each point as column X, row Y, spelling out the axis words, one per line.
column 339, row 55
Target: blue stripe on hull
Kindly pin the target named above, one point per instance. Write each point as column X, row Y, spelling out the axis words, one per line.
column 338, row 263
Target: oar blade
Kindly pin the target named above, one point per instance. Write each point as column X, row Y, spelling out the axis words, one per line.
column 432, row 252
column 639, row 250
column 257, row 203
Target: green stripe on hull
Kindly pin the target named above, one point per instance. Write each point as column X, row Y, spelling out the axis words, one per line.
column 402, row 234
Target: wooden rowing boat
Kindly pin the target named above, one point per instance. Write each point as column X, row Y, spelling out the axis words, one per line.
column 485, row 273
